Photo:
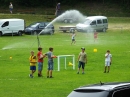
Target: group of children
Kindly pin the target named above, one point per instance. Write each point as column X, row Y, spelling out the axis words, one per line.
column 82, row 60
column 40, row 60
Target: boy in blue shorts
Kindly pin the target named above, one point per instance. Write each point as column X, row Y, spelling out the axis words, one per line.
column 33, row 61
column 50, row 62
column 82, row 59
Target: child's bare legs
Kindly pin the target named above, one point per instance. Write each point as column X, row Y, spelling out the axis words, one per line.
column 39, row 73
column 73, row 42
column 105, row 69
column 50, row 73
column 82, row 71
column 108, row 69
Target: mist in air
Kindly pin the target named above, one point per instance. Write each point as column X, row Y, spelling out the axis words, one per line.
column 69, row 14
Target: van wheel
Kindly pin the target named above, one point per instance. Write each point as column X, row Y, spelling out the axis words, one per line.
column 19, row 33
column 0, row 33
column 104, row 29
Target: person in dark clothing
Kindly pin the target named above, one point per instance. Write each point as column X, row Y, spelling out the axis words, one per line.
column 58, row 11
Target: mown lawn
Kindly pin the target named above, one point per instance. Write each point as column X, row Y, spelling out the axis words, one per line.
column 14, row 79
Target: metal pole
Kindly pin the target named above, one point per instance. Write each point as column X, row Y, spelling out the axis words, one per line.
column 38, row 41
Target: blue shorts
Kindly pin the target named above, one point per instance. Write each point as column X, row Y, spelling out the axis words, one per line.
column 73, row 39
column 40, row 66
column 50, row 65
column 10, row 9
column 81, row 64
column 32, row 67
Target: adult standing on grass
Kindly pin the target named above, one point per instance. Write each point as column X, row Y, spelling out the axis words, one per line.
column 50, row 62
column 40, row 57
column 82, row 59
column 108, row 60
column 73, row 38
column 11, row 7
column 58, row 11
column 33, row 62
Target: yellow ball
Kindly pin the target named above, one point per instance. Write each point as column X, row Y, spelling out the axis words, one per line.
column 95, row 50
column 10, row 57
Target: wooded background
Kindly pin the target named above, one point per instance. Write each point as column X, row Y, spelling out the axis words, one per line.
column 51, row 3
column 82, row 5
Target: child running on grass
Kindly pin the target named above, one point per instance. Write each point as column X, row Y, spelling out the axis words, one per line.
column 73, row 38
column 33, row 61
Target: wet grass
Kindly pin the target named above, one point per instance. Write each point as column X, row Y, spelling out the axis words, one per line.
column 14, row 78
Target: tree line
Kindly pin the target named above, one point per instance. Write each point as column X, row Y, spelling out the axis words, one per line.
column 125, row 4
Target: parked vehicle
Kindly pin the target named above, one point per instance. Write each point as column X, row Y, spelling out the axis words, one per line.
column 113, row 89
column 12, row 26
column 39, row 28
column 67, row 28
column 99, row 23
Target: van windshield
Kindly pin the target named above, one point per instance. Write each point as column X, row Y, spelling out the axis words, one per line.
column 87, row 21
column 34, row 25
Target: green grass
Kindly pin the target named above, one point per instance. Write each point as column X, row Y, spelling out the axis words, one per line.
column 14, row 80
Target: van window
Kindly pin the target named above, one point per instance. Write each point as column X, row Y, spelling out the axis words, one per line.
column 5, row 24
column 104, row 20
column 122, row 93
column 99, row 21
column 93, row 23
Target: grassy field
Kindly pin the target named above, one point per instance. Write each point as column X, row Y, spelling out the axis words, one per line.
column 14, row 79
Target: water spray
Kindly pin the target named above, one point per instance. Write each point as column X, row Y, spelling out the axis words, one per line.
column 67, row 14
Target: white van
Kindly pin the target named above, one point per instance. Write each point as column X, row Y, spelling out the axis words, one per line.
column 12, row 26
column 92, row 23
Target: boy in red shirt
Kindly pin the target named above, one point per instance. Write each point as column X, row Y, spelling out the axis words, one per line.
column 40, row 57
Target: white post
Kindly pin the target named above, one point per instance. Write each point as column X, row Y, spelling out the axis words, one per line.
column 65, row 62
column 74, row 62
column 58, row 59
column 58, row 63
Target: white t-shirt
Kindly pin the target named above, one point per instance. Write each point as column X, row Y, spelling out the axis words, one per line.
column 73, row 36
column 108, row 57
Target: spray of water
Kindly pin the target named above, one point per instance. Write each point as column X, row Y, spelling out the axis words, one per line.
column 74, row 14
column 15, row 45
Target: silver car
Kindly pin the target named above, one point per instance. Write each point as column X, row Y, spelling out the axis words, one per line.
column 113, row 89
